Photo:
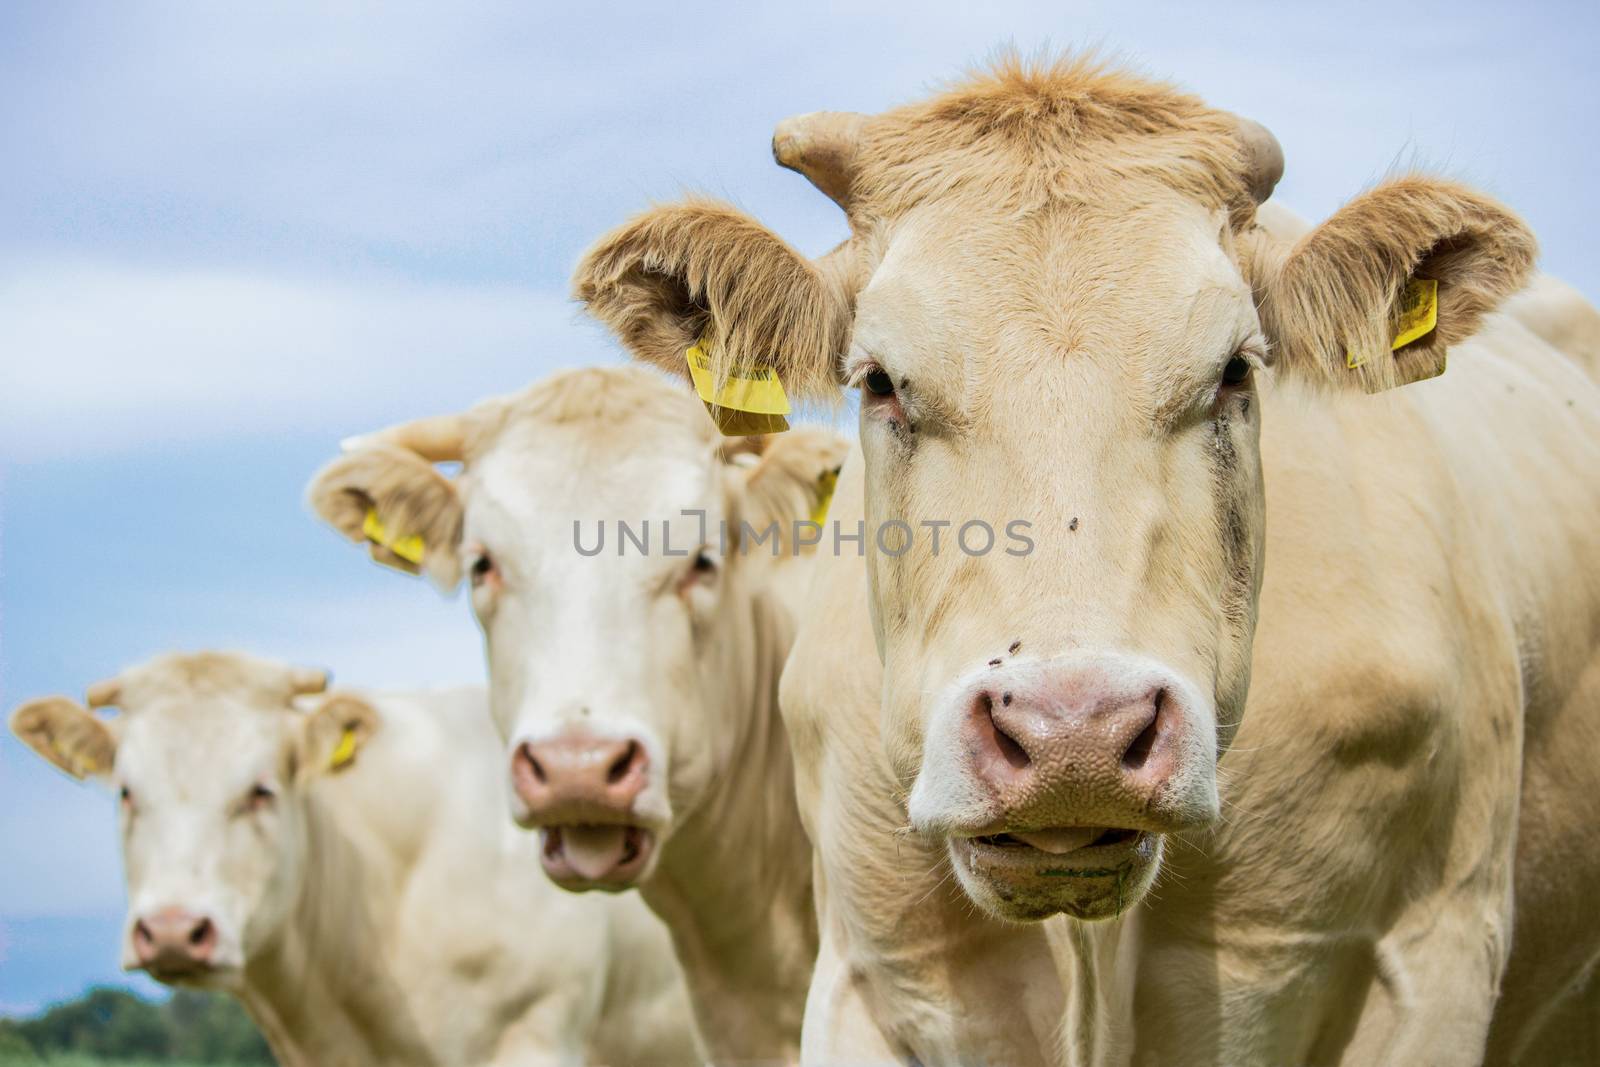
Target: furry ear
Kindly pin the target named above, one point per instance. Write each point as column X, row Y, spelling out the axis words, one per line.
column 1332, row 305
column 334, row 734
column 418, row 513
column 702, row 270
column 68, row 735
column 790, row 481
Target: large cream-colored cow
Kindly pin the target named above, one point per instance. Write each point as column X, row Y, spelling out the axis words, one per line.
column 635, row 687
column 334, row 863
column 1060, row 310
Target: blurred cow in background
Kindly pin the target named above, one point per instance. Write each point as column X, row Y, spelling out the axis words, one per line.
column 636, row 688
column 335, row 863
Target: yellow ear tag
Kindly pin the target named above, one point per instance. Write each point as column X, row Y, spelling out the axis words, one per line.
column 407, row 548
column 1419, row 315
column 827, row 481
column 344, row 752
column 749, row 401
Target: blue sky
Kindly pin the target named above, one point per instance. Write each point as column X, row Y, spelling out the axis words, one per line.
column 229, row 237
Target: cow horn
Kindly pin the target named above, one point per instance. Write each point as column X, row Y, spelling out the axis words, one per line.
column 103, row 694
column 821, row 145
column 1263, row 157
column 437, row 439
column 307, row 680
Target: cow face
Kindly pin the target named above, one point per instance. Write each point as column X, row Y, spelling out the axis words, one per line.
column 211, row 762
column 1060, row 314
column 604, row 529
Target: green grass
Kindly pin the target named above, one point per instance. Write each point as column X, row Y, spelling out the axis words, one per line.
column 77, row 1059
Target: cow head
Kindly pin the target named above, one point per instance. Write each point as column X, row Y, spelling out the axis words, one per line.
column 621, row 663
column 1059, row 310
column 212, row 760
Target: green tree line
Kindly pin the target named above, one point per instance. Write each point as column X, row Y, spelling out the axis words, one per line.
column 114, row 1024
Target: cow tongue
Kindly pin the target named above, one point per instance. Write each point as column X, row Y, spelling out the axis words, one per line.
column 593, row 851
column 1062, row 839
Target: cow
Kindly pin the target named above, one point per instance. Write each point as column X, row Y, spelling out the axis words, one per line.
column 1282, row 728
column 634, row 576
column 330, row 861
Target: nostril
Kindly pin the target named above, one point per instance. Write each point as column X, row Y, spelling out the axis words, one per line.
column 201, row 933
column 141, row 933
column 1004, row 742
column 623, row 763
column 1139, row 751
column 533, row 764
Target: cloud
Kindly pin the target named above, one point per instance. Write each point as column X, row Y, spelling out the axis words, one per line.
column 103, row 355
column 377, row 629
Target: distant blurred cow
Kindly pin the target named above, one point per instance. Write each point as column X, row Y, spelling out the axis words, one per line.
column 333, row 863
column 636, row 688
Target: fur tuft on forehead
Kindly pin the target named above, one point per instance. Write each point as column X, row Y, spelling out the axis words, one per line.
column 1023, row 134
column 208, row 674
column 626, row 402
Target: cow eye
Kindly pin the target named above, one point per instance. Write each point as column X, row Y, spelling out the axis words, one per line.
column 702, row 572
column 482, row 567
column 261, row 796
column 878, row 383
column 126, row 797
column 1237, row 372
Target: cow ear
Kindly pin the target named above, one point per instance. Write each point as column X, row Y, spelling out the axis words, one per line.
column 397, row 503
column 68, row 735
column 787, row 478
column 334, row 734
column 702, row 273
column 1375, row 296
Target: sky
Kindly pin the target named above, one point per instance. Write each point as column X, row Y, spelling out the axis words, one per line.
column 231, row 236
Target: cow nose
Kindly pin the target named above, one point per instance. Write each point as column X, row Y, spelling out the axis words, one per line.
column 1078, row 744
column 578, row 778
column 174, row 941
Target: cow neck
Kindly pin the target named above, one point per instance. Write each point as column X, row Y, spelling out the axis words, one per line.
column 933, row 947
column 321, row 990
column 1099, row 965
column 734, row 884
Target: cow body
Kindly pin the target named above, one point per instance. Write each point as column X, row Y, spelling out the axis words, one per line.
column 351, row 888
column 1365, row 899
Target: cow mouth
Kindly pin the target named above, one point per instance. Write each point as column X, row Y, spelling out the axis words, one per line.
column 1060, row 841
column 179, row 971
column 1088, row 872
column 192, row 973
column 594, row 856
